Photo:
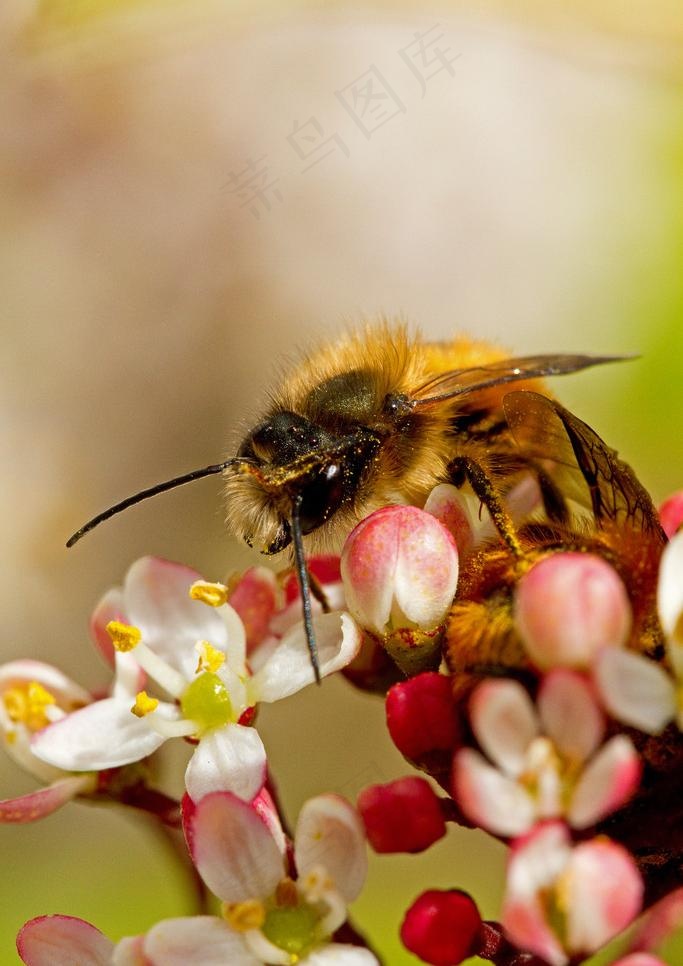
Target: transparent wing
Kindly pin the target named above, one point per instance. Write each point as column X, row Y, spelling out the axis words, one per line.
column 461, row 382
column 585, row 468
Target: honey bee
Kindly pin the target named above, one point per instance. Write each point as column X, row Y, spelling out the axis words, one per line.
column 378, row 417
column 609, row 513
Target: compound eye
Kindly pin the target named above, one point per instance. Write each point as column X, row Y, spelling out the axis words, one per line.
column 321, row 497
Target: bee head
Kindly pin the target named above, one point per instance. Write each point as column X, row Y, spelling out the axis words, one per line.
column 292, row 466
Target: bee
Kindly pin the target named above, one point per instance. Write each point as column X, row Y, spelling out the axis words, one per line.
column 609, row 513
column 378, row 417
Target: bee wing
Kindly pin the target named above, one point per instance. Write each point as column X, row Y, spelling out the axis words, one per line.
column 461, row 382
column 588, row 471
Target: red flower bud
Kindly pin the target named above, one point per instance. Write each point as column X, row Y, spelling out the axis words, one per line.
column 421, row 715
column 442, row 928
column 401, row 816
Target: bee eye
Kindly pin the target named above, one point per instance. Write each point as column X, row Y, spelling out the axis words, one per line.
column 321, row 497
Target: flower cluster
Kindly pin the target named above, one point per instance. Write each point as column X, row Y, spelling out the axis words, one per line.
column 535, row 686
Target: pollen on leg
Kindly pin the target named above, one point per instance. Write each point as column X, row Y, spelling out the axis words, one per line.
column 215, row 595
column 210, row 658
column 124, row 637
column 244, row 916
column 144, row 705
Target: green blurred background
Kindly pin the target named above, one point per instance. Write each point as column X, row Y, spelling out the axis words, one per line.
column 530, row 193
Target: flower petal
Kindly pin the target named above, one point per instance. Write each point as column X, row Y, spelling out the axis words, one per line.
column 289, row 669
column 129, row 952
column 489, row 798
column 504, row 722
column 329, row 832
column 230, row 759
column 233, row 849
column 110, row 607
column 535, row 864
column 196, row 941
column 635, row 690
column 63, row 941
column 604, row 894
column 340, row 954
column 569, row 714
column 608, row 781
column 35, row 805
column 103, row 735
column 157, row 599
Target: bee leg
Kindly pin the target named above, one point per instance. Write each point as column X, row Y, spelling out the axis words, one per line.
column 554, row 502
column 465, row 468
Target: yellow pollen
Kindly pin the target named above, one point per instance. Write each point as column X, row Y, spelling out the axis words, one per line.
column 27, row 703
column 124, row 637
column 144, row 704
column 210, row 658
column 243, row 916
column 212, row 594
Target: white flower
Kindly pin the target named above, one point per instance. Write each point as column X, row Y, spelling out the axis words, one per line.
column 547, row 761
column 193, row 649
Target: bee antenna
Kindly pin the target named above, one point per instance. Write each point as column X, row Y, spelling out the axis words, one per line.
column 145, row 494
column 304, row 585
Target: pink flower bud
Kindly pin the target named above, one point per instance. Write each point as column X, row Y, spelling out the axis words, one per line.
column 402, row 816
column 442, row 928
column 568, row 606
column 671, row 513
column 400, row 570
column 421, row 715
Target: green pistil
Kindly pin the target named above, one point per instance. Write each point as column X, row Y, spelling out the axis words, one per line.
column 292, row 929
column 207, row 702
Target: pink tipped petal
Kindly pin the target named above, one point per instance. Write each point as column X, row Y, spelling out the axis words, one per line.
column 449, row 506
column 289, row 669
column 604, row 894
column 233, row 849
column 635, row 690
column 426, row 574
column 368, row 562
column 536, row 862
column 255, row 598
column 329, row 832
column 640, row 959
column 569, row 714
column 568, row 606
column 265, row 807
column 111, row 607
column 504, row 723
column 490, row 799
column 663, row 920
column 230, row 759
column 606, row 784
column 338, row 954
column 63, row 941
column 36, row 805
column 103, row 735
column 67, row 692
column 671, row 513
column 196, row 941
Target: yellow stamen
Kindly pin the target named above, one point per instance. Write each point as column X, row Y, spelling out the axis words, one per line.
column 27, row 703
column 144, row 705
column 210, row 658
column 124, row 637
column 212, row 594
column 243, row 916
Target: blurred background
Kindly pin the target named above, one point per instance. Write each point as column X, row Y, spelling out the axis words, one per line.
column 191, row 193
